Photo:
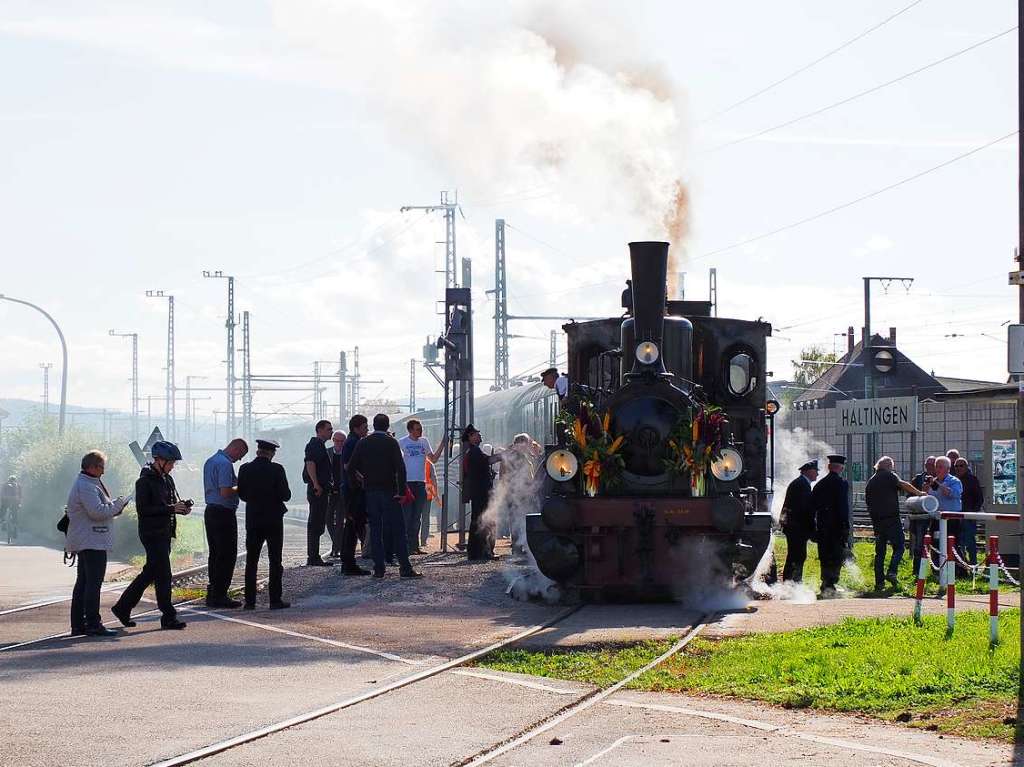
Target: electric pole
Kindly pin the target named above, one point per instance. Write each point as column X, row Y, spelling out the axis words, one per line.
column 355, row 380
column 169, row 401
column 229, row 417
column 448, row 207
column 46, row 386
column 190, row 408
column 412, row 385
column 342, row 381
column 501, row 351
column 246, row 379
column 317, row 409
column 135, row 379
column 554, row 348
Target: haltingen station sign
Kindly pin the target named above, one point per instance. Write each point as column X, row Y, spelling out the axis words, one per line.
column 875, row 416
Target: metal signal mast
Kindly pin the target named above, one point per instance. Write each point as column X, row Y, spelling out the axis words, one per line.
column 135, row 379
column 501, row 352
column 230, row 325
column 169, row 401
column 46, row 386
column 246, row 379
column 448, row 207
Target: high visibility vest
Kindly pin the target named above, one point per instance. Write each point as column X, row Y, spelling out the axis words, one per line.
column 431, row 484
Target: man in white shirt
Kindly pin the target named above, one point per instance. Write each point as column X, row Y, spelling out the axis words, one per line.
column 416, row 451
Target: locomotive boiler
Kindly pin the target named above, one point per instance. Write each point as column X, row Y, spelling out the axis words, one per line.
column 659, row 473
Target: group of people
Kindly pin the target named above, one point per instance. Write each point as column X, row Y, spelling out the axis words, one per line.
column 367, row 488
column 821, row 512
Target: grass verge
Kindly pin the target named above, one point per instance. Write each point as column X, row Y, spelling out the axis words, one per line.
column 888, row 668
column 859, row 576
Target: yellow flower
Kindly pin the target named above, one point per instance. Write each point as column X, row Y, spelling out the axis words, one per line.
column 616, row 445
column 607, row 421
column 578, row 433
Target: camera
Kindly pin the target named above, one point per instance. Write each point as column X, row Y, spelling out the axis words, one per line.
column 190, row 503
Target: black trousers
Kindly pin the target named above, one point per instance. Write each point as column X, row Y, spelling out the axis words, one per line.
column 354, row 527
column 831, row 555
column 221, row 525
column 888, row 532
column 918, row 529
column 796, row 555
column 481, row 534
column 335, row 520
column 316, row 523
column 156, row 571
column 85, row 598
column 258, row 532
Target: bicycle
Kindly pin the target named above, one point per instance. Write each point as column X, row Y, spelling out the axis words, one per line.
column 11, row 523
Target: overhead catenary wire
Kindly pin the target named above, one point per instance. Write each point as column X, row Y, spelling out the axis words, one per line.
column 855, row 201
column 811, row 64
column 861, row 94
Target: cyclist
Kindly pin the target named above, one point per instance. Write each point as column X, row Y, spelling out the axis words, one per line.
column 10, row 500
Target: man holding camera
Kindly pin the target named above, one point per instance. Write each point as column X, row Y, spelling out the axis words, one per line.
column 157, row 505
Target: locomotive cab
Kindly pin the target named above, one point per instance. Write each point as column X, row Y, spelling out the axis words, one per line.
column 643, row 515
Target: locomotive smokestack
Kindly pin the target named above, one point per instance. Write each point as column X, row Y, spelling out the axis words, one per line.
column 649, row 265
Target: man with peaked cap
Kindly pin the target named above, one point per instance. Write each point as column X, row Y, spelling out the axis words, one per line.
column 830, row 501
column 798, row 521
column 476, row 488
column 263, row 486
column 560, row 383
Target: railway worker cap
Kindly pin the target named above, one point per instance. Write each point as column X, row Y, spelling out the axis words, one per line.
column 549, row 372
column 165, row 450
column 469, row 431
column 840, row 459
column 810, row 465
column 268, row 444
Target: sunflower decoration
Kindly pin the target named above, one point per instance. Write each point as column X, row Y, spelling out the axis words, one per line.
column 695, row 443
column 598, row 451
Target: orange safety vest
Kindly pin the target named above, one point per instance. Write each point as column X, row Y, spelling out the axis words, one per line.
column 431, row 484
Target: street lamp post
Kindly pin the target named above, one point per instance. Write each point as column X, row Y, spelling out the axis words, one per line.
column 64, row 351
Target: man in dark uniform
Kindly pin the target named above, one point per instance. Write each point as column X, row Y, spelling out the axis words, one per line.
column 798, row 521
column 263, row 486
column 476, row 488
column 830, row 500
column 316, row 473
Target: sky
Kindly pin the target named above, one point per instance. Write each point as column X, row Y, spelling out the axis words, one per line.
column 276, row 142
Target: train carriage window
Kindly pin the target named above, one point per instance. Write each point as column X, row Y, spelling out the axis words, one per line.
column 742, row 374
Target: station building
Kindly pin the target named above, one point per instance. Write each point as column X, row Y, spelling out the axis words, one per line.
column 975, row 417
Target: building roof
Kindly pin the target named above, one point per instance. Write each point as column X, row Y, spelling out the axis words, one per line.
column 845, row 379
column 966, row 384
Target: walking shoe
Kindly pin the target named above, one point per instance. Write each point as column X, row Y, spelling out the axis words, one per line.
column 354, row 570
column 378, row 573
column 411, row 574
column 174, row 625
column 124, row 616
column 282, row 605
column 225, row 603
column 100, row 631
column 893, row 582
column 318, row 563
column 78, row 631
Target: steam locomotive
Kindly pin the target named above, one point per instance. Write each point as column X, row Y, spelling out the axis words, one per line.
column 648, row 373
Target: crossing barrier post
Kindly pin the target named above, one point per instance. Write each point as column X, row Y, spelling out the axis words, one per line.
column 992, row 560
column 950, row 583
column 922, row 576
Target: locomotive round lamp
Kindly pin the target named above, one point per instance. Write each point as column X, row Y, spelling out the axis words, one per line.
column 771, row 407
column 562, row 466
column 729, row 466
column 647, row 352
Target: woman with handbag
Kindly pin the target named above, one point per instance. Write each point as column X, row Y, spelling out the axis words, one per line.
column 90, row 511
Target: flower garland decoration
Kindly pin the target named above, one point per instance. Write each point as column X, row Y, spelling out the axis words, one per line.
column 695, row 443
column 598, row 451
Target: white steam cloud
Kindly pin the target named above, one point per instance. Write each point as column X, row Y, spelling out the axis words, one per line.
column 524, row 98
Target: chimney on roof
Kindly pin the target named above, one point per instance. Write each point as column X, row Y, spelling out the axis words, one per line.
column 892, row 336
column 849, row 341
column 864, row 336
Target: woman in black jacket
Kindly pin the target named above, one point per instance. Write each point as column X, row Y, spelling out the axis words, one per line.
column 157, row 504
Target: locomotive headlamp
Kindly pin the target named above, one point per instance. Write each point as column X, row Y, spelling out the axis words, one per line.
column 647, row 352
column 729, row 466
column 771, row 407
column 562, row 465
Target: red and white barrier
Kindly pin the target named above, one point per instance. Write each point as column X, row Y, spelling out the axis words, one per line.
column 922, row 576
column 950, row 583
column 992, row 560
